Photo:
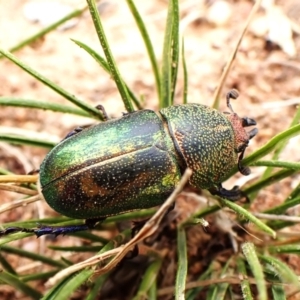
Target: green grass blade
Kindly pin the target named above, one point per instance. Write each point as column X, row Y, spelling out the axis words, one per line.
column 46, row 30
column 38, row 276
column 281, row 146
column 175, row 48
column 278, row 292
column 33, row 256
column 69, row 286
column 245, row 284
column 28, row 103
column 218, row 291
column 282, row 208
column 149, row 46
column 277, row 164
column 152, row 293
column 149, row 279
column 170, row 56
column 19, row 285
column 285, row 249
column 182, row 267
column 94, row 292
column 247, row 215
column 272, row 144
column 77, row 248
column 83, row 105
column 185, row 75
column 268, row 147
column 275, row 177
column 109, row 57
column 103, row 63
column 192, row 293
column 5, row 265
column 282, row 271
column 291, row 201
column 19, row 140
column 256, row 268
column 294, row 193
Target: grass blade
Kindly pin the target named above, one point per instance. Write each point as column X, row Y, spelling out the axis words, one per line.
column 275, row 177
column 281, row 271
column 19, row 285
column 192, row 293
column 33, row 256
column 94, row 292
column 182, row 264
column 170, row 55
column 247, row 215
column 218, row 291
column 245, row 284
column 277, row 164
column 68, row 286
column 108, row 54
column 256, row 268
column 185, row 75
column 281, row 146
column 233, row 55
column 278, row 292
column 174, row 48
column 149, row 279
column 149, row 46
column 269, row 146
column 5, row 265
column 19, row 140
column 272, row 144
column 28, row 103
column 83, row 105
column 47, row 29
column 103, row 63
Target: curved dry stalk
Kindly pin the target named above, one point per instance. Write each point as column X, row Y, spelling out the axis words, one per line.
column 228, row 66
column 148, row 229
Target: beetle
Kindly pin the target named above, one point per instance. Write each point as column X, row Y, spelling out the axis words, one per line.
column 136, row 161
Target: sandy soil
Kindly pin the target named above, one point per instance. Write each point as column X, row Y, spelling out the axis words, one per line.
column 266, row 74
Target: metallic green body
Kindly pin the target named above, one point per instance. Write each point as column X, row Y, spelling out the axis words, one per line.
column 111, row 168
column 136, row 161
column 205, row 140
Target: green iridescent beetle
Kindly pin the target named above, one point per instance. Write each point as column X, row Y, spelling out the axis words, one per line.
column 136, row 161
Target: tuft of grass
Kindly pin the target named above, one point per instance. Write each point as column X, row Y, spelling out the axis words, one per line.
column 256, row 267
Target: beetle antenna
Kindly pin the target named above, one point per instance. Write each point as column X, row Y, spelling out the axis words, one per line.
column 232, row 94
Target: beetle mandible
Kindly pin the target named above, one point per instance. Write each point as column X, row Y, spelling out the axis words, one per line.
column 136, row 161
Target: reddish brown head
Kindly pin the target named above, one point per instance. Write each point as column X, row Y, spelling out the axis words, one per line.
column 242, row 137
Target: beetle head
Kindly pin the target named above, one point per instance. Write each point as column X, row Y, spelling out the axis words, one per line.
column 242, row 137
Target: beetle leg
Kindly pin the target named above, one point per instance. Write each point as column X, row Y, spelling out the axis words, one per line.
column 10, row 230
column 56, row 230
column 79, row 129
column 243, row 169
column 33, row 172
column 102, row 109
column 73, row 132
column 234, row 194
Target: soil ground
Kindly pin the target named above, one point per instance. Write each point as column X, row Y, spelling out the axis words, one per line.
column 267, row 75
